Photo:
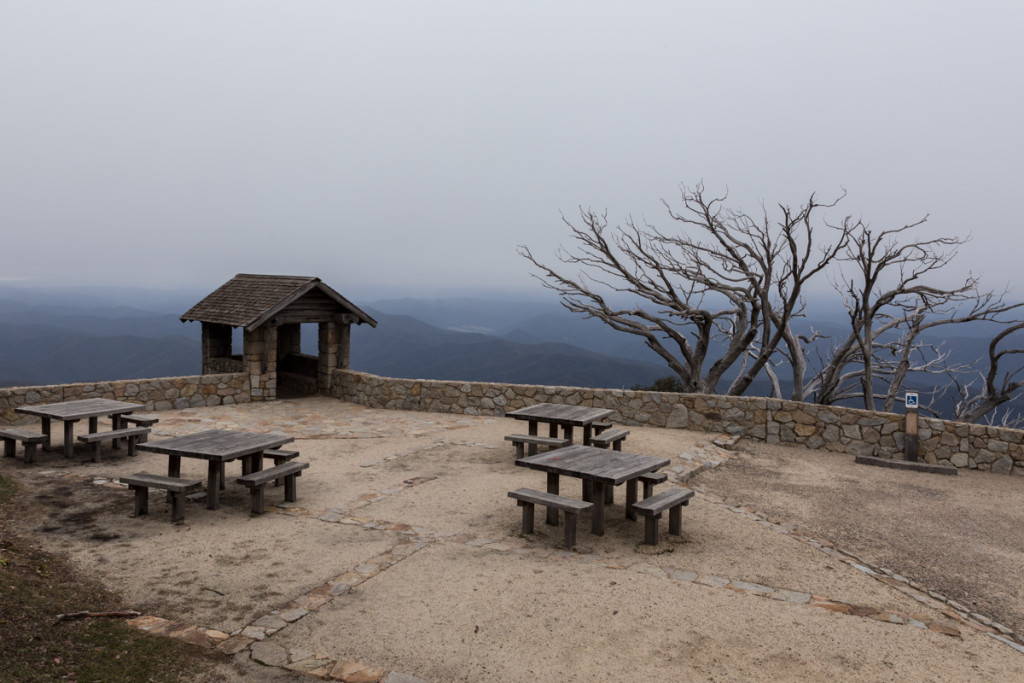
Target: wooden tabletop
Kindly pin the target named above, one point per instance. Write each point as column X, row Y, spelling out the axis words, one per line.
column 216, row 444
column 82, row 408
column 596, row 464
column 578, row 416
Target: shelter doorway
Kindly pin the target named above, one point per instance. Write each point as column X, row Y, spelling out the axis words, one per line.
column 298, row 360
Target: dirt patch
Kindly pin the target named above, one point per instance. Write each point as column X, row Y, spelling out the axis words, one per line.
column 961, row 536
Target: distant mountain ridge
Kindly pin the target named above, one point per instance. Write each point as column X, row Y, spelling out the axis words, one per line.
column 56, row 339
column 64, row 337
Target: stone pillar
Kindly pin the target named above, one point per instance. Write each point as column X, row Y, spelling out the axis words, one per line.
column 270, row 363
column 345, row 346
column 328, row 360
column 260, row 357
column 216, row 344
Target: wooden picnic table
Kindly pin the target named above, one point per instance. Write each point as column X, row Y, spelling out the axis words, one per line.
column 217, row 446
column 598, row 466
column 560, row 415
column 70, row 412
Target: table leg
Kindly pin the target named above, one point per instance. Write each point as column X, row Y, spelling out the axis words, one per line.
column 630, row 499
column 588, row 430
column 115, row 423
column 532, row 449
column 212, row 485
column 553, row 488
column 597, row 518
column 173, row 470
column 588, row 491
column 69, row 438
column 566, row 433
column 46, row 433
column 94, row 425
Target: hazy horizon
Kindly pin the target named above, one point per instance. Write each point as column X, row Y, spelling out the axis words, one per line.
column 410, row 147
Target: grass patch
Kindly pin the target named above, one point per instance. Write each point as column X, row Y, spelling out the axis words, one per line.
column 35, row 587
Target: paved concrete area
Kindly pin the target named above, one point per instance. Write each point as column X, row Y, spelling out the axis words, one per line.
column 402, row 559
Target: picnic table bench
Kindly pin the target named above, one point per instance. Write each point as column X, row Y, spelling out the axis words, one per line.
column 70, row 412
column 561, row 415
column 140, row 421
column 257, row 481
column 176, row 488
column 216, row 446
column 599, row 469
column 652, row 508
column 519, row 440
column 29, row 440
column 528, row 498
column 132, row 434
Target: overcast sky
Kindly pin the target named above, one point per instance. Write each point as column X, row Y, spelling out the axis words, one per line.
column 406, row 148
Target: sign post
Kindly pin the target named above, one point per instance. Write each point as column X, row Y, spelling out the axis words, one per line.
column 910, row 442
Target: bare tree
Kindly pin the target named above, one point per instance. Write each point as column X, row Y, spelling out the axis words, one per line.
column 997, row 387
column 723, row 283
column 890, row 305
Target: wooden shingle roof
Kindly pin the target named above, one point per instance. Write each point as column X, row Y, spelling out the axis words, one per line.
column 250, row 300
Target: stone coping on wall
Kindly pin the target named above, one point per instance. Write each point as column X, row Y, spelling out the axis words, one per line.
column 833, row 428
column 163, row 393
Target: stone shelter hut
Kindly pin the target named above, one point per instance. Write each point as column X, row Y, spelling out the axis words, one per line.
column 271, row 309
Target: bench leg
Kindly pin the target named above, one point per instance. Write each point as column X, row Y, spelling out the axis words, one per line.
column 520, row 451
column 675, row 520
column 631, row 498
column 570, row 529
column 9, row 445
column 256, row 498
column 177, row 507
column 131, row 445
column 617, row 446
column 141, row 500
column 527, row 516
column 651, row 529
column 648, row 489
column 96, row 450
column 30, row 452
column 289, row 488
column 552, row 488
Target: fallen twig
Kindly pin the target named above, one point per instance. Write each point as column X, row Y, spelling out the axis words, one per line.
column 80, row 615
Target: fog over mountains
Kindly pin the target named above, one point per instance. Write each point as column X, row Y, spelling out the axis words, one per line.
column 85, row 335
column 65, row 336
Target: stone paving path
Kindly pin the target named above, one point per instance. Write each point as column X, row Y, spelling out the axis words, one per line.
column 312, row 418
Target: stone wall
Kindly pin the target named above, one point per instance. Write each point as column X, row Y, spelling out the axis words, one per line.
column 165, row 393
column 832, row 428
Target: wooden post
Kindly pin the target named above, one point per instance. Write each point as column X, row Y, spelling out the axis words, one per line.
column 911, row 444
